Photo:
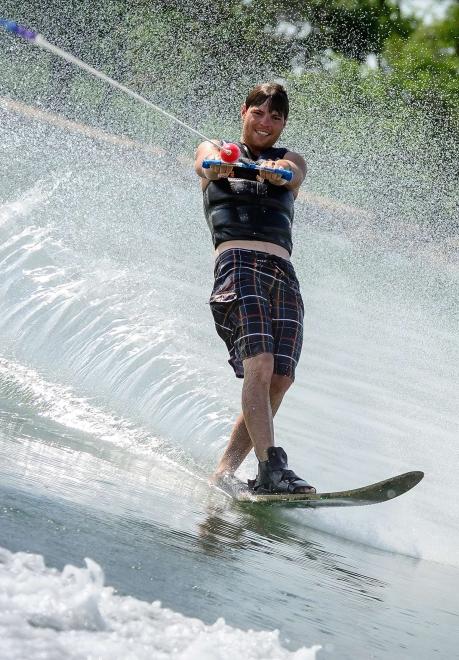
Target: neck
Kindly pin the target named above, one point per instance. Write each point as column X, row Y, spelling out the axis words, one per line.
column 255, row 151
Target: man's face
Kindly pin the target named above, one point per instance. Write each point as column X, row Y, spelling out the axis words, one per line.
column 261, row 127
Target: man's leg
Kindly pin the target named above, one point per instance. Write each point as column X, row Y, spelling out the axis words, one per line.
column 240, row 442
column 256, row 406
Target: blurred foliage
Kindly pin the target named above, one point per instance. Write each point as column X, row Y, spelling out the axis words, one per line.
column 374, row 92
column 181, row 50
column 426, row 66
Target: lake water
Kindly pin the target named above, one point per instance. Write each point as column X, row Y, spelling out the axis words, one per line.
column 116, row 401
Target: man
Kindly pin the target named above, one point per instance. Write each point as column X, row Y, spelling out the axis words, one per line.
column 256, row 301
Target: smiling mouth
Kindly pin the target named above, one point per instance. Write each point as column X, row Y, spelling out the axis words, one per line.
column 262, row 133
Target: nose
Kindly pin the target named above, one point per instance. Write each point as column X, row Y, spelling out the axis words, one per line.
column 265, row 123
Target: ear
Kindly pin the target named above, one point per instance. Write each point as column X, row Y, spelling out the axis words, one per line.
column 243, row 110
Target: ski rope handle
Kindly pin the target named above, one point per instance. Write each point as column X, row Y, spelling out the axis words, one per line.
column 249, row 165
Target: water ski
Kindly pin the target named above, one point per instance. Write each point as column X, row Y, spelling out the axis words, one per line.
column 382, row 491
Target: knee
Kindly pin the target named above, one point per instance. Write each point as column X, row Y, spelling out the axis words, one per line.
column 259, row 368
column 279, row 386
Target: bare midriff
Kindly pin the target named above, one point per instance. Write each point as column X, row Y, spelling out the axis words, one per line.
column 259, row 246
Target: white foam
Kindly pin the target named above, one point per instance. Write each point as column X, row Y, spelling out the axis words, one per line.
column 71, row 615
column 30, row 199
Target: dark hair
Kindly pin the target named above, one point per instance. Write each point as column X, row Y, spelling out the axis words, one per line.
column 274, row 93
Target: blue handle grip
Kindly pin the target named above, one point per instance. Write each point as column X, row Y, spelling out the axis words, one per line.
column 285, row 174
column 20, row 30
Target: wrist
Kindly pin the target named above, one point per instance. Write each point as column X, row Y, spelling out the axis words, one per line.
column 209, row 174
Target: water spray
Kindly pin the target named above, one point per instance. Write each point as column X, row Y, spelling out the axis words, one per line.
column 229, row 152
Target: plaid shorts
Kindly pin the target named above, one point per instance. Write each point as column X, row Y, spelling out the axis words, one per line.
column 257, row 308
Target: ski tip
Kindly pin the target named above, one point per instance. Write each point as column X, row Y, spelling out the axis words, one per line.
column 411, row 479
column 416, row 474
column 420, row 474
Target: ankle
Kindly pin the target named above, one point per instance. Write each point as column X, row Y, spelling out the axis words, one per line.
column 262, row 455
column 220, row 473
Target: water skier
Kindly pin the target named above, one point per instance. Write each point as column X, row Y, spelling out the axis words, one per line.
column 256, row 301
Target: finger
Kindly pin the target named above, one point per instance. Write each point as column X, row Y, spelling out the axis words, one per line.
column 225, row 172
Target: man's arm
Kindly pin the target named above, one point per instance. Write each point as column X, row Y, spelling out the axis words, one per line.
column 291, row 161
column 207, row 150
column 297, row 164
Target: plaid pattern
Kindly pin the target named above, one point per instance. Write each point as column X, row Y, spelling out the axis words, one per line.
column 257, row 308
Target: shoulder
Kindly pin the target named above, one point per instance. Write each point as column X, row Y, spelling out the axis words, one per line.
column 206, row 148
column 285, row 153
column 295, row 158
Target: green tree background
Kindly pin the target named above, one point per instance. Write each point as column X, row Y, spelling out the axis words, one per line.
column 375, row 91
column 189, row 50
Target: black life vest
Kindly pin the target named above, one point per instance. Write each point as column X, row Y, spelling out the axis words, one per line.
column 242, row 208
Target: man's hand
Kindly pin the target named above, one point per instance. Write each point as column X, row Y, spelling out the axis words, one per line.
column 275, row 179
column 222, row 171
column 208, row 151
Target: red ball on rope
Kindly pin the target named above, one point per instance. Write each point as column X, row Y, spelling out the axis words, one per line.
column 230, row 152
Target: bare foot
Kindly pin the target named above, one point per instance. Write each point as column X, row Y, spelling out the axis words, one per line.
column 217, row 477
